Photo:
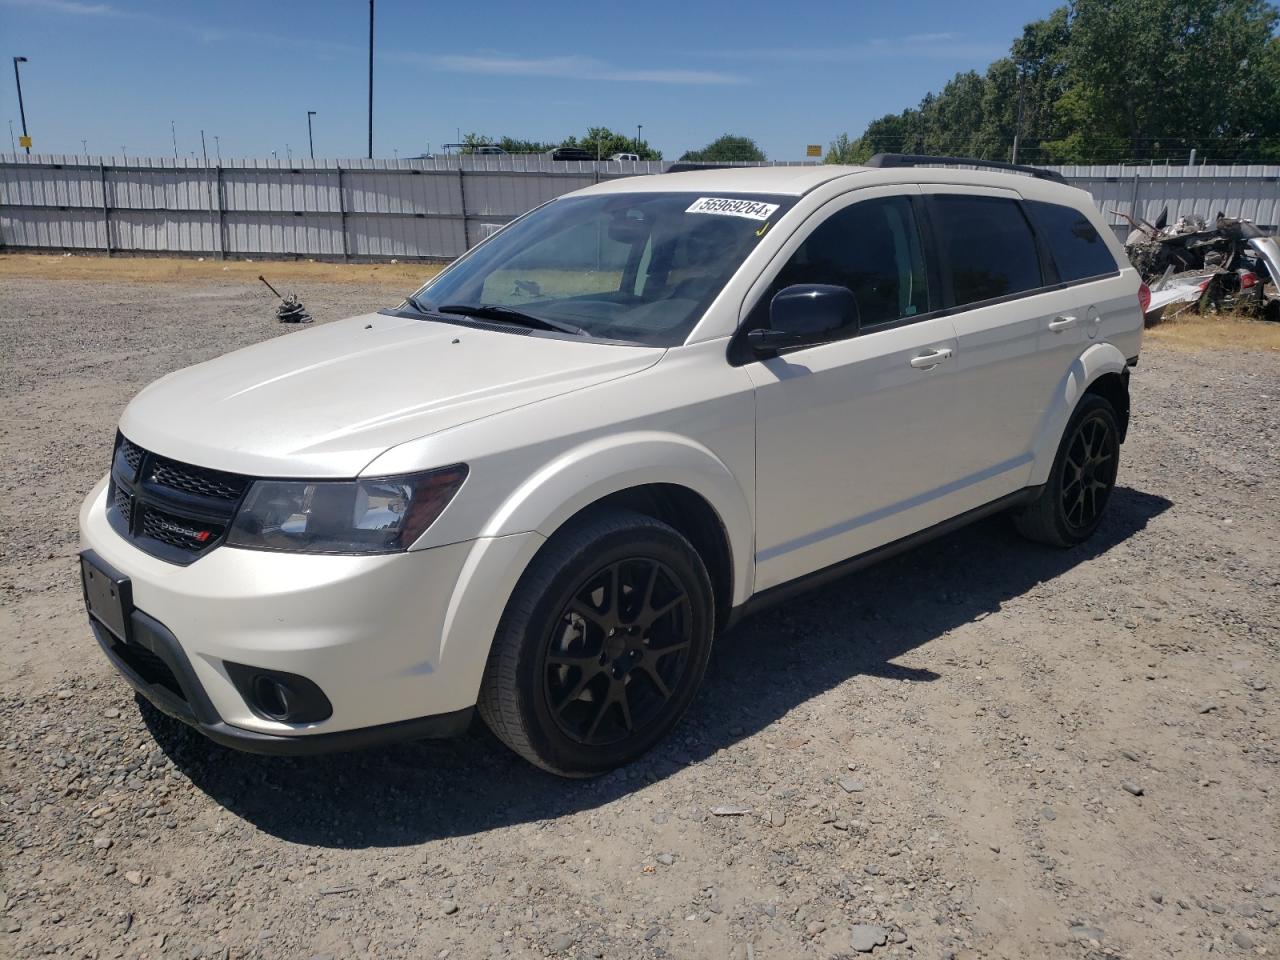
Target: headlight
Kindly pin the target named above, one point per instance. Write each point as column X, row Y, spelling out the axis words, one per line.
column 343, row 516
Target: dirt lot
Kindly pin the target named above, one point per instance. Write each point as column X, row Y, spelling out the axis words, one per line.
column 981, row 749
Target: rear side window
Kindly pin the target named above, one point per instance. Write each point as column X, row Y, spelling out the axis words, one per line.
column 871, row 247
column 988, row 245
column 1077, row 250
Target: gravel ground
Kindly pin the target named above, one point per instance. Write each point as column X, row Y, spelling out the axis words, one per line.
column 980, row 749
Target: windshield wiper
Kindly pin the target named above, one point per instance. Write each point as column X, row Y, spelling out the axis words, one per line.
column 417, row 304
column 493, row 311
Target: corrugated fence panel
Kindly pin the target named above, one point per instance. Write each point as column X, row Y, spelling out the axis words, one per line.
column 509, row 196
column 159, row 231
column 58, row 229
column 318, row 235
column 161, row 189
column 53, row 186
column 415, row 207
column 314, row 191
column 387, row 236
column 380, row 191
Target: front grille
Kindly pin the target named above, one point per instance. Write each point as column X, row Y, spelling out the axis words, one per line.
column 197, row 480
column 175, row 511
column 132, row 454
column 177, row 531
column 123, row 504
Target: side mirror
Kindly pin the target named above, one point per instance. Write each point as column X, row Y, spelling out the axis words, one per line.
column 805, row 314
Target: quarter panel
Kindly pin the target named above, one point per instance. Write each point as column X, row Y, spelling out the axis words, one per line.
column 688, row 420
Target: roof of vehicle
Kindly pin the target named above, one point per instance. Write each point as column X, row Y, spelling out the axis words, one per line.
column 799, row 180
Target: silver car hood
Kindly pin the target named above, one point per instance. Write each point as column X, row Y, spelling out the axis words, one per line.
column 326, row 401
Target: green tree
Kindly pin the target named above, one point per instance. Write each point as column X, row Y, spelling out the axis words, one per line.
column 604, row 143
column 1156, row 78
column 726, row 149
column 1106, row 80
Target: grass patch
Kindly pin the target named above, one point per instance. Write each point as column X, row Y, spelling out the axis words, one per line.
column 1221, row 331
column 403, row 276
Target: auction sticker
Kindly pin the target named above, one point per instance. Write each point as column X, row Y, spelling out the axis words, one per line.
column 751, row 209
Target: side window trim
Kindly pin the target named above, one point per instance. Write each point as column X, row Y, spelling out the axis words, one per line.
column 1047, row 252
column 739, row 354
column 1049, row 270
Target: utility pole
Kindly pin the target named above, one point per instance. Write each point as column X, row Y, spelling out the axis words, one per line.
column 85, row 146
column 288, row 152
column 639, row 127
column 173, row 129
column 22, row 111
column 1017, row 125
column 13, row 144
column 310, row 139
column 370, row 79
column 217, row 143
column 204, row 148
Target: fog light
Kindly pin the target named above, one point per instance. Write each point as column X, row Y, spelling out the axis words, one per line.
column 276, row 695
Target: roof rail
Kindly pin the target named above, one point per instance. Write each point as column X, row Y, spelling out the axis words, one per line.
column 685, row 166
column 921, row 160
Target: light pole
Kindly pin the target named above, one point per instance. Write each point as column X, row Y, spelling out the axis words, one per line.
column 217, row 144
column 310, row 138
column 174, row 130
column 13, row 144
column 85, row 145
column 204, row 148
column 639, row 127
column 370, row 79
column 22, row 112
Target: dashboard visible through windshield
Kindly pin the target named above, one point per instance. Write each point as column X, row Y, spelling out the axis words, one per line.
column 638, row 268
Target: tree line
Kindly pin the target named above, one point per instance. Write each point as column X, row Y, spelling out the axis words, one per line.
column 1106, row 81
column 604, row 143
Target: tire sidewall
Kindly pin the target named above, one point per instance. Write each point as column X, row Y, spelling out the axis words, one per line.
column 557, row 749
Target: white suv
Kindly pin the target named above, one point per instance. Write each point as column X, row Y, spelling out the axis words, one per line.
column 541, row 485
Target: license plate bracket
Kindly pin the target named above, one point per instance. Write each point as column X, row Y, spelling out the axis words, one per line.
column 108, row 596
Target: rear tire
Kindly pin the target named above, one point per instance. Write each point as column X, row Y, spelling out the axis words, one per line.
column 602, row 645
column 1070, row 506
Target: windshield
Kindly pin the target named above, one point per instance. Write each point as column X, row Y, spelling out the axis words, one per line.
column 639, row 267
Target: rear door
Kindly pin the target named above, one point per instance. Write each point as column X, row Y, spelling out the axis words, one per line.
column 1018, row 334
column 853, row 438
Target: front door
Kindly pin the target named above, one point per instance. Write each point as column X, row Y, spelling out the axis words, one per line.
column 853, row 438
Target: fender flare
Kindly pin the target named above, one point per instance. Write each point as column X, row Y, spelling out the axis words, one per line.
column 1097, row 361
column 587, row 473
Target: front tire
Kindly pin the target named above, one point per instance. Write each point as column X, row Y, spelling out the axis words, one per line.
column 1070, row 506
column 602, row 645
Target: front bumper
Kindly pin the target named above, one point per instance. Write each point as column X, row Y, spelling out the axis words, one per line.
column 397, row 643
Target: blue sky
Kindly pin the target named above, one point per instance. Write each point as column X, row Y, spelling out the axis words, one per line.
column 116, row 72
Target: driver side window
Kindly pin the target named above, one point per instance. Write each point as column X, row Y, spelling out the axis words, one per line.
column 873, row 248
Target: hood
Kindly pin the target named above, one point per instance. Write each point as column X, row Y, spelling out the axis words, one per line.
column 326, row 401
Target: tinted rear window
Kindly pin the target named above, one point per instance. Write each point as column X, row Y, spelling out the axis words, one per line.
column 988, row 245
column 1077, row 250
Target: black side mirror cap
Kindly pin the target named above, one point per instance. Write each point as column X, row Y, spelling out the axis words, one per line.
column 805, row 314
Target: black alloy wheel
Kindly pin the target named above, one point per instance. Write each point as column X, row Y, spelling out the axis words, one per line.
column 1089, row 471
column 601, row 646
column 1069, row 508
column 617, row 651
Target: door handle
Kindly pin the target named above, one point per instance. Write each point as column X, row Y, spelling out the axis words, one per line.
column 927, row 361
column 1058, row 324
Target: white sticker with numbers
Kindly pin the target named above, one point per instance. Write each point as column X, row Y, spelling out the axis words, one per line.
column 751, row 209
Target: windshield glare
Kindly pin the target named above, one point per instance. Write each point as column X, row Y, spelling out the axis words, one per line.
column 637, row 267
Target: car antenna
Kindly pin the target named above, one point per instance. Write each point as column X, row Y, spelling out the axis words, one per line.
column 291, row 309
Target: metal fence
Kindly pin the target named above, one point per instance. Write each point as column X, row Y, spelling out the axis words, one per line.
column 424, row 208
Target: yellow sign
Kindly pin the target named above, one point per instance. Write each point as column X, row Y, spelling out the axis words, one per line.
column 24, row 142
column 813, row 150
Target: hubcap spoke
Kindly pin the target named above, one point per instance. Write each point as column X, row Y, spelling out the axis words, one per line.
column 1087, row 473
column 618, row 652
